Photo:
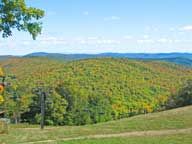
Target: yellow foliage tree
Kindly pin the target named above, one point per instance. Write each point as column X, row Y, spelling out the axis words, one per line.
column 147, row 108
column 1, row 72
column 1, row 99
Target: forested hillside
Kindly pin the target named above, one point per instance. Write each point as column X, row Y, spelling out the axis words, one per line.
column 91, row 90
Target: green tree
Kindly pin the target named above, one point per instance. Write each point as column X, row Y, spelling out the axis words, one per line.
column 55, row 108
column 182, row 98
column 16, row 103
column 14, row 14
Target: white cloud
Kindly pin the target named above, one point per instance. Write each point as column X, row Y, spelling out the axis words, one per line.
column 26, row 43
column 163, row 40
column 2, row 43
column 92, row 38
column 115, row 18
column 141, row 41
column 108, row 41
column 82, row 41
column 96, row 41
column 172, row 29
column 146, row 36
column 187, row 28
column 85, row 13
column 166, row 40
column 159, row 41
column 177, row 41
column 49, row 40
column 127, row 37
column 151, row 29
column 112, row 18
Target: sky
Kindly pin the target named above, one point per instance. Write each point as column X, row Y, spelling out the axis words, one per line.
column 98, row 26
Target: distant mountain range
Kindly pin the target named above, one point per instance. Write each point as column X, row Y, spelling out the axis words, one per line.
column 178, row 58
column 120, row 55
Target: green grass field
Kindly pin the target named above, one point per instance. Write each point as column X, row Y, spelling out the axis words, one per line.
column 180, row 118
column 170, row 139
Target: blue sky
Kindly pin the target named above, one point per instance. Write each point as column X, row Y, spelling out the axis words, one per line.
column 97, row 26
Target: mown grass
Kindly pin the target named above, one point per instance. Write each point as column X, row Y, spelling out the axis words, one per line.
column 169, row 139
column 172, row 119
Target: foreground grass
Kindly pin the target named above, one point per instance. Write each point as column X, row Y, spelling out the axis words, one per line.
column 173, row 119
column 170, row 139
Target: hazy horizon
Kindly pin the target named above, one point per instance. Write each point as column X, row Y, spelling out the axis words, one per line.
column 96, row 53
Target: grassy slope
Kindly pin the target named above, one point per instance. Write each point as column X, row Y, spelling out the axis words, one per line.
column 173, row 119
column 170, row 139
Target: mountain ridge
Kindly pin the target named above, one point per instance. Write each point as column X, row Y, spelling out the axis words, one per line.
column 129, row 55
column 178, row 58
column 175, row 57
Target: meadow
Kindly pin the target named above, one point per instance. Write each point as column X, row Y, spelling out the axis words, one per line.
column 173, row 126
